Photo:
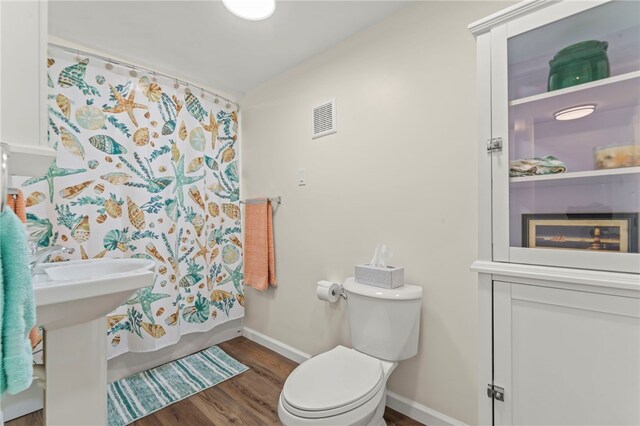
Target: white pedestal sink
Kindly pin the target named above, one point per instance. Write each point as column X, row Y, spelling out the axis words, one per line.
column 72, row 300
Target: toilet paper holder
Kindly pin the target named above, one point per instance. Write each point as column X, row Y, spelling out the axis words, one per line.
column 330, row 291
column 340, row 292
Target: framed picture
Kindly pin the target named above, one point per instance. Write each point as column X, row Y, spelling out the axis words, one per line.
column 610, row 232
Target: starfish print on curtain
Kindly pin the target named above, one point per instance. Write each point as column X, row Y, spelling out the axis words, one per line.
column 139, row 174
column 182, row 180
column 125, row 105
column 212, row 128
column 53, row 172
column 145, row 298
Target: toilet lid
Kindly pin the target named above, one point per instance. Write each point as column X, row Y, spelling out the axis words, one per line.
column 342, row 377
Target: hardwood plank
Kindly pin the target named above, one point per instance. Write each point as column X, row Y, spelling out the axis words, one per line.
column 249, row 399
column 182, row 412
column 32, row 419
column 260, row 359
column 394, row 418
column 222, row 408
column 150, row 420
column 256, row 393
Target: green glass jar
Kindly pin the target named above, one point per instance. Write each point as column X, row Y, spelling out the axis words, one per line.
column 579, row 63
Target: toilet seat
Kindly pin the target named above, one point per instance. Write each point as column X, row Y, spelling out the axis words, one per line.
column 332, row 383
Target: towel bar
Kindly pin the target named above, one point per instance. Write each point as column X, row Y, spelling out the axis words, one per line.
column 277, row 199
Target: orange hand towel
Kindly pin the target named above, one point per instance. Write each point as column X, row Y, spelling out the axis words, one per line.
column 18, row 204
column 259, row 257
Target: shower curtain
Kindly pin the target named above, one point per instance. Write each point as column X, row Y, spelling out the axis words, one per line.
column 143, row 170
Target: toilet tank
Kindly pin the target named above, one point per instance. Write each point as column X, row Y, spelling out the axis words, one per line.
column 384, row 323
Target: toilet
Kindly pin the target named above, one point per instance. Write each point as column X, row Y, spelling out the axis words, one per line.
column 347, row 386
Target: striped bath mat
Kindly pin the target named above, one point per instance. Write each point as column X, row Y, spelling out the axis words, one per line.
column 136, row 396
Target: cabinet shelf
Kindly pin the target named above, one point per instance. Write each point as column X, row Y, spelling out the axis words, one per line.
column 585, row 177
column 607, row 94
column 30, row 160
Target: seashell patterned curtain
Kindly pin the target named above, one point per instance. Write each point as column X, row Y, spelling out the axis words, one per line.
column 143, row 170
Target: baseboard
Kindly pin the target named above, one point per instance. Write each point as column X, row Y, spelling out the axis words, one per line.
column 419, row 412
column 14, row 406
column 275, row 345
column 403, row 405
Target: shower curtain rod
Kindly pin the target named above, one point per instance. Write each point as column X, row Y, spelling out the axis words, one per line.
column 136, row 67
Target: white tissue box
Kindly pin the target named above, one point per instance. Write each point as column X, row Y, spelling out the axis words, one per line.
column 389, row 277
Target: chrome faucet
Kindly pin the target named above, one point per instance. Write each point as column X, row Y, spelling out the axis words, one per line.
column 37, row 257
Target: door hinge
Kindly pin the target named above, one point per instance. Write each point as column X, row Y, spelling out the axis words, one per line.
column 495, row 392
column 494, row 144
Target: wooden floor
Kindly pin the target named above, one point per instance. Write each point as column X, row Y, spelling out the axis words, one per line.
column 250, row 398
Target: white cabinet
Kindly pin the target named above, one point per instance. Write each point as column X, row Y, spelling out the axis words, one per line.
column 560, row 345
column 559, row 206
column 565, row 357
column 23, row 85
column 562, row 107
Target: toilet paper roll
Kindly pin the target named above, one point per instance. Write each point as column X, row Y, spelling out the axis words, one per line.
column 328, row 291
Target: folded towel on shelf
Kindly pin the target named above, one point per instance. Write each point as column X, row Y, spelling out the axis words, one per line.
column 259, row 257
column 536, row 166
column 17, row 306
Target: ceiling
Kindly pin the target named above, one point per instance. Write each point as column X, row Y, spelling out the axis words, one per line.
column 202, row 42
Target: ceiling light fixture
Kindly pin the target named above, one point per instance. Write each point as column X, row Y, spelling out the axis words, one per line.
column 574, row 112
column 252, row 10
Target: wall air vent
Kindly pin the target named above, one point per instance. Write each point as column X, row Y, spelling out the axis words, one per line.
column 323, row 119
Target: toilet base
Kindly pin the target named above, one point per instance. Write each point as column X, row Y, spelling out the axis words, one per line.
column 371, row 413
column 378, row 417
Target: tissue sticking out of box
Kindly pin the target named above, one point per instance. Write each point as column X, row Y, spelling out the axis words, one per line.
column 378, row 273
column 381, row 256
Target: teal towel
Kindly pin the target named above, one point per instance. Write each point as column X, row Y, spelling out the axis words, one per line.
column 18, row 313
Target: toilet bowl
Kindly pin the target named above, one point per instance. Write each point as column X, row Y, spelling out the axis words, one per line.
column 347, row 386
column 338, row 387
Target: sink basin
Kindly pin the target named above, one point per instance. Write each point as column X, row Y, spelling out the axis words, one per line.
column 72, row 300
column 79, row 291
column 85, row 269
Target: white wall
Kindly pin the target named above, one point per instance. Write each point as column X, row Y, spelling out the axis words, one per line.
column 23, row 72
column 401, row 170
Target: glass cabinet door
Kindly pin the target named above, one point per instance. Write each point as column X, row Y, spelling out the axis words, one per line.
column 573, row 139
